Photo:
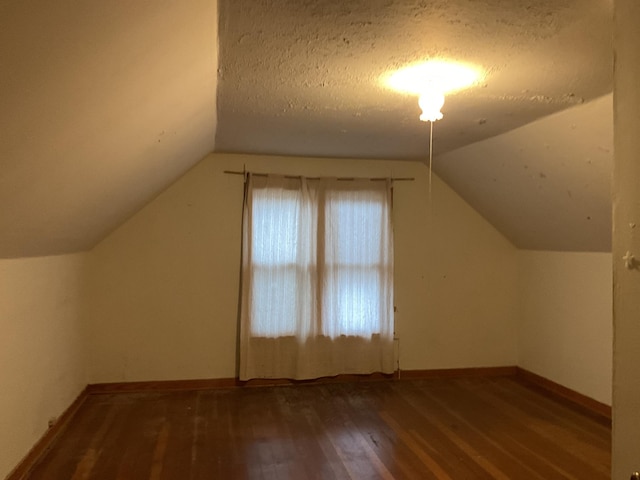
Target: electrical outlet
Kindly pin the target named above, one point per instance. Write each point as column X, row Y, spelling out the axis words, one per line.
column 52, row 421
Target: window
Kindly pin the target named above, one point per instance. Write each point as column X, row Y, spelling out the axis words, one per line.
column 278, row 277
column 355, row 262
column 317, row 263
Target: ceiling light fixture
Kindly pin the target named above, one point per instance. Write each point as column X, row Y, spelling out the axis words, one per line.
column 431, row 80
column 431, row 101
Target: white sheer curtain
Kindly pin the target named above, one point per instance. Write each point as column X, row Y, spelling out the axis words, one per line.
column 317, row 278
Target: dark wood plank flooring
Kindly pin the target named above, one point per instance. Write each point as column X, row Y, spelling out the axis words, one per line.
column 451, row 429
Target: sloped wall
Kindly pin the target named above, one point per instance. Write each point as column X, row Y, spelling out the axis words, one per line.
column 42, row 364
column 164, row 286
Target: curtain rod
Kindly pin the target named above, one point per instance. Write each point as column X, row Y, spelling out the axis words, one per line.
column 395, row 179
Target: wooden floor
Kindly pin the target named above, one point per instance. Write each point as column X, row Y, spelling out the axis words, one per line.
column 455, row 429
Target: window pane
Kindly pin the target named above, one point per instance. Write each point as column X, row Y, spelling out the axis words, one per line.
column 353, row 297
column 274, row 238
column 274, row 296
column 355, row 220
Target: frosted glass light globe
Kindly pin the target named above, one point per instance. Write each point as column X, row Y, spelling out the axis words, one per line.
column 431, row 102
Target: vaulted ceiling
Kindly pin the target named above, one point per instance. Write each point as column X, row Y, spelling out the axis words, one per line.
column 104, row 104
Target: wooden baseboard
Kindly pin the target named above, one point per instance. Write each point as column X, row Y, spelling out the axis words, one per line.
column 457, row 373
column 204, row 384
column 585, row 403
column 161, row 385
column 42, row 445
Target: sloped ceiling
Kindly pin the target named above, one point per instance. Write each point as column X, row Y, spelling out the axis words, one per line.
column 546, row 185
column 102, row 105
column 303, row 78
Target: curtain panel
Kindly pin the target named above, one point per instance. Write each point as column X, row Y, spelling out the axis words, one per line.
column 317, row 278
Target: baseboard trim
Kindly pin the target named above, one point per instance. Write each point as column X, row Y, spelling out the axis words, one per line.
column 506, row 371
column 585, row 403
column 161, row 385
column 42, row 445
column 205, row 384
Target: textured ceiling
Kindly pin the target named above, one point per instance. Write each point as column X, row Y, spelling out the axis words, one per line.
column 102, row 105
column 303, row 78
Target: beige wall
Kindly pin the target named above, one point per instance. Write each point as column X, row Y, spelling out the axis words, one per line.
column 566, row 330
column 42, row 368
column 164, row 286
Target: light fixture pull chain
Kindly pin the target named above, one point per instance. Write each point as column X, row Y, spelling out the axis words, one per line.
column 430, row 158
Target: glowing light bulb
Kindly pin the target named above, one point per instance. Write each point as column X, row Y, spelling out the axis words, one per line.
column 431, row 101
column 444, row 76
column 431, row 80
